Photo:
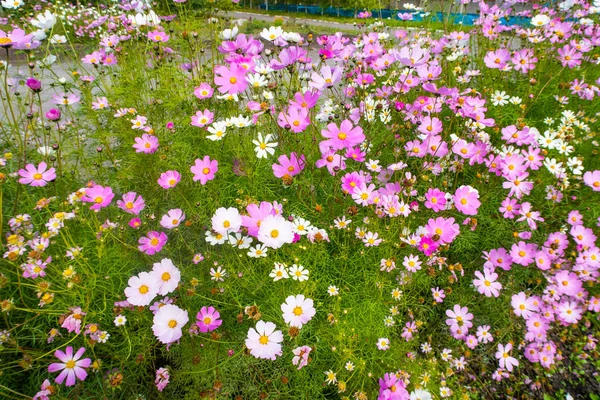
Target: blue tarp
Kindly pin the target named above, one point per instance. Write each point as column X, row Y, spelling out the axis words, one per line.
column 456, row 18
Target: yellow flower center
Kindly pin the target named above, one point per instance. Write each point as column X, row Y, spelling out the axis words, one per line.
column 263, row 339
column 298, row 311
column 143, row 289
column 165, row 276
column 274, row 233
column 37, row 176
column 205, row 171
column 70, row 364
column 172, row 323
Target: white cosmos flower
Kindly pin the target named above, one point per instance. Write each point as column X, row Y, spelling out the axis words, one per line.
column 275, row 231
column 264, row 341
column 264, row 146
column 297, row 310
column 44, row 21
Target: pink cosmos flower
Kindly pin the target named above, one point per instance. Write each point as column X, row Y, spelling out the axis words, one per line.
column 523, row 305
column 73, row 321
column 438, row 294
column 158, row 36
column 231, row 80
column 153, row 243
column 169, row 179
column 409, row 330
column 509, row 208
column 208, row 319
column 486, row 283
column 301, row 356
column 466, row 200
column 504, row 359
column 435, row 199
column 295, row 120
column 430, row 126
column 131, row 203
column 569, row 56
column 162, row 375
column 65, row 99
column 204, row 91
column 172, row 219
column 204, row 170
column 523, row 253
column 327, row 78
column 45, row 391
column 72, row 366
column 568, row 283
column 524, row 60
column 289, row 166
column 146, row 144
column 583, row 236
column 442, row 230
column 256, row 214
column 590, row 178
column 202, row 118
column 333, row 161
column 39, row 176
column 99, row 195
column 497, row 59
column 345, row 136
column 459, row 317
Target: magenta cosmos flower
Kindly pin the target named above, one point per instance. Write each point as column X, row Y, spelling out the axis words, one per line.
column 72, row 367
column 169, row 179
column 208, row 319
column 345, row 136
column 289, row 166
column 146, row 144
column 153, row 243
column 131, row 203
column 231, row 80
column 39, row 176
column 99, row 195
column 392, row 388
column 204, row 170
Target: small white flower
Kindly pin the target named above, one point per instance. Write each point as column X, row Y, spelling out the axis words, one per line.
column 298, row 273
column 120, row 320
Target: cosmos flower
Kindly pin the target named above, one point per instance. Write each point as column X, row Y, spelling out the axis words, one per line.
column 208, row 319
column 72, row 366
column 264, row 341
column 297, row 310
column 168, row 322
column 37, row 176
